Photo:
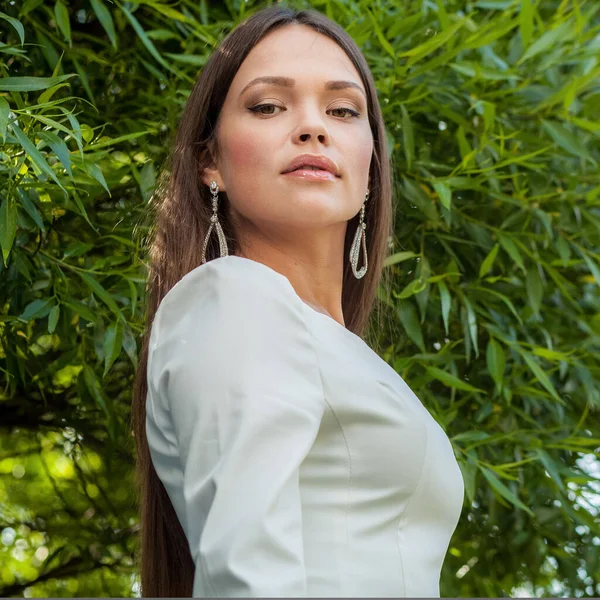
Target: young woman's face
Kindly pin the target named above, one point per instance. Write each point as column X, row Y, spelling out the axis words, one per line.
column 299, row 115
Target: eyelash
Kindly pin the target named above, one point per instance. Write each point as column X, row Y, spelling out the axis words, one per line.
column 256, row 108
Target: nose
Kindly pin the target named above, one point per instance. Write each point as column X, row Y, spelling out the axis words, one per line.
column 311, row 126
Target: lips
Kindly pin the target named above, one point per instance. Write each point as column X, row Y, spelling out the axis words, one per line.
column 312, row 163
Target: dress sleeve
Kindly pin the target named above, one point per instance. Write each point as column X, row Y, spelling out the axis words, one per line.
column 238, row 375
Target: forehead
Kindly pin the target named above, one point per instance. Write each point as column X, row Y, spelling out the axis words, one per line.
column 296, row 51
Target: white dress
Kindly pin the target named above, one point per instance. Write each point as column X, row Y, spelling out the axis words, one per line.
column 298, row 461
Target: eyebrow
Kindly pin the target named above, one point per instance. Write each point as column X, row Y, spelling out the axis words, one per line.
column 289, row 82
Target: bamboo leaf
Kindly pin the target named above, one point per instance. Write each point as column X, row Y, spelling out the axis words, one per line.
column 113, row 339
column 35, row 155
column 446, row 302
column 53, row 316
column 8, row 226
column 16, row 24
column 541, row 375
column 106, row 20
column 451, row 381
column 409, row 140
column 488, row 261
column 61, row 14
column 526, row 22
column 511, row 249
column 410, row 322
column 31, row 84
column 549, row 39
column 496, row 362
column 501, row 489
column 444, row 193
column 97, row 288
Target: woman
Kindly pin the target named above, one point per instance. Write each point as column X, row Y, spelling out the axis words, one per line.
column 278, row 454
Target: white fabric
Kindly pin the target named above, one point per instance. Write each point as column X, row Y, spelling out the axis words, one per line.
column 298, row 461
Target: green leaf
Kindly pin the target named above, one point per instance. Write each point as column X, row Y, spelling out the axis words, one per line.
column 535, row 290
column 37, row 309
column 35, row 155
column 496, row 29
column 471, row 323
column 101, row 293
column 93, row 170
column 451, row 381
column 552, row 468
column 410, row 322
column 113, row 338
column 408, row 137
column 61, row 14
column 31, row 84
column 30, row 208
column 414, row 287
column 415, row 54
column 469, row 474
column 147, row 180
column 566, row 140
column 134, row 295
column 417, row 195
column 130, row 346
column 53, row 318
column 526, row 22
column 463, row 144
column 16, row 24
column 59, row 147
column 541, row 375
column 501, row 489
column 548, row 40
column 8, row 226
column 4, row 113
column 512, row 250
column 489, row 114
column 80, row 309
column 446, row 302
column 114, row 141
column 28, row 6
column 106, row 20
column 145, row 39
column 593, row 267
column 382, row 40
column 487, row 263
column 496, row 362
column 399, row 257
column 444, row 192
column 103, row 402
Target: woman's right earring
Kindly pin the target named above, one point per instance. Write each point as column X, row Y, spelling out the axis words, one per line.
column 214, row 222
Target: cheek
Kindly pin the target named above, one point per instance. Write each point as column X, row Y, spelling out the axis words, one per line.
column 246, row 151
column 364, row 152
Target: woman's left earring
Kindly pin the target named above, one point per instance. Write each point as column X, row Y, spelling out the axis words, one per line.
column 214, row 223
column 361, row 235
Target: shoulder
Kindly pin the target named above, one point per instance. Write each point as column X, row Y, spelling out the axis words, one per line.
column 231, row 328
column 229, row 296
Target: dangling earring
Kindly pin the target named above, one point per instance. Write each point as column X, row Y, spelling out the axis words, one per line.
column 214, row 222
column 355, row 248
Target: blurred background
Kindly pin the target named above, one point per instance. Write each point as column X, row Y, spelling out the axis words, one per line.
column 492, row 110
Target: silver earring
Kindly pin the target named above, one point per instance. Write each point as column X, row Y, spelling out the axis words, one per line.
column 356, row 243
column 214, row 222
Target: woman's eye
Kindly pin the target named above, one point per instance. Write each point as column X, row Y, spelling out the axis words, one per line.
column 352, row 113
column 258, row 108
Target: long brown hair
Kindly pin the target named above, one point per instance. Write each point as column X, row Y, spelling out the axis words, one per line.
column 180, row 212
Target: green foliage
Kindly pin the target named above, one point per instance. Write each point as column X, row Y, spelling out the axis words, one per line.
column 492, row 110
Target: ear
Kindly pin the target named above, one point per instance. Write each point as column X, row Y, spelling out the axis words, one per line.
column 212, row 173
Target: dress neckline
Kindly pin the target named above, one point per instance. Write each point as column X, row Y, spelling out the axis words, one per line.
column 282, row 276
